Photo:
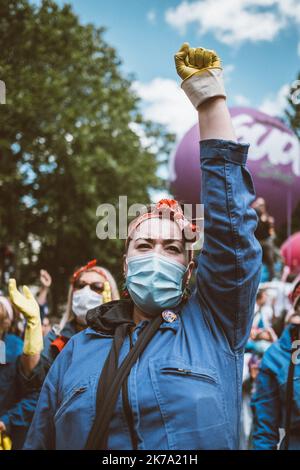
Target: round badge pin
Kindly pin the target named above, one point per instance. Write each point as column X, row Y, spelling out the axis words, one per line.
column 169, row 316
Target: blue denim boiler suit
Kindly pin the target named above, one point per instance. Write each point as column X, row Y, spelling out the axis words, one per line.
column 185, row 389
column 269, row 400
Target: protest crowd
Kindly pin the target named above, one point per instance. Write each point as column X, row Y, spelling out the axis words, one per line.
column 197, row 349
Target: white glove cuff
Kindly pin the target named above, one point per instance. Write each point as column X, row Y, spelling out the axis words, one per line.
column 207, row 84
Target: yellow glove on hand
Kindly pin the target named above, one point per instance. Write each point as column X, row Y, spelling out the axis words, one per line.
column 201, row 72
column 26, row 303
column 5, row 442
column 106, row 292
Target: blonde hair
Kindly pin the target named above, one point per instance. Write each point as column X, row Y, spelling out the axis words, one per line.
column 3, row 313
column 69, row 316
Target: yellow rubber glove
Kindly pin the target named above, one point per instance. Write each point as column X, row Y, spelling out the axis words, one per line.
column 26, row 303
column 5, row 442
column 201, row 73
column 106, row 292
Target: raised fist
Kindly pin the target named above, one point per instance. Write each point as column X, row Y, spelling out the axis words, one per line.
column 194, row 60
column 201, row 73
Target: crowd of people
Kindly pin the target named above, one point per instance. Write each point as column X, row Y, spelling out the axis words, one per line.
column 25, row 361
column 266, row 361
column 163, row 367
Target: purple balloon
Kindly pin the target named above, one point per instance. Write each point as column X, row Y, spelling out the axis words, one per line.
column 274, row 162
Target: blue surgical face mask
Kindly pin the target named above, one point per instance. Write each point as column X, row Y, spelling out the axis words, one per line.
column 154, row 282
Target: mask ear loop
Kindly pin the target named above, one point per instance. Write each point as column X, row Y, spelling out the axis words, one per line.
column 125, row 293
column 186, row 293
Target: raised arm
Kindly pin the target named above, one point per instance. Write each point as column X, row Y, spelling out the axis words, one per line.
column 229, row 264
column 215, row 121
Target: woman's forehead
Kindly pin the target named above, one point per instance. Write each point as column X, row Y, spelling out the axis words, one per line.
column 158, row 229
column 91, row 276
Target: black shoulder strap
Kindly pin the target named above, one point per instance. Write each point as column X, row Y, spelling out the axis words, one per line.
column 97, row 439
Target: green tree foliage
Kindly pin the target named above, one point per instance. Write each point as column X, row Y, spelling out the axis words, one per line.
column 68, row 141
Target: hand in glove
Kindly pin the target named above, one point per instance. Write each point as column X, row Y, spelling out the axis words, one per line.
column 26, row 303
column 201, row 72
column 106, row 292
column 5, row 442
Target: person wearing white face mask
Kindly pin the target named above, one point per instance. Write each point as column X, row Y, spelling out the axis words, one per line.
column 84, row 300
column 91, row 286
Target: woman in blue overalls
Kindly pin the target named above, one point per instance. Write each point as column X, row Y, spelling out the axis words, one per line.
column 276, row 402
column 161, row 369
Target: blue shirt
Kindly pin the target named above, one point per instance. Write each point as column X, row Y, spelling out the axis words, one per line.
column 16, row 405
column 185, row 389
column 13, row 349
